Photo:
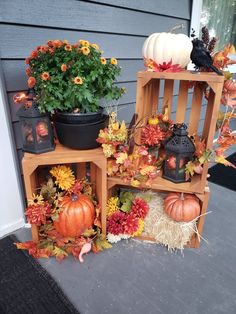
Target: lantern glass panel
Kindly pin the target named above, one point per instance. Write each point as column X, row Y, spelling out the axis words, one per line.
column 179, row 151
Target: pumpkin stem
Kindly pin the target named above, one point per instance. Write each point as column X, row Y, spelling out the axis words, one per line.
column 182, row 196
column 74, row 197
column 176, row 27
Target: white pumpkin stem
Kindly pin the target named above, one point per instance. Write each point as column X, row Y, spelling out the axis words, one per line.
column 176, row 27
column 182, row 196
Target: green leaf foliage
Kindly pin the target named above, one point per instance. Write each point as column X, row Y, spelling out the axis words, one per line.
column 84, row 81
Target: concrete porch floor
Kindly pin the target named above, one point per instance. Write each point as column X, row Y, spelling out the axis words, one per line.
column 141, row 278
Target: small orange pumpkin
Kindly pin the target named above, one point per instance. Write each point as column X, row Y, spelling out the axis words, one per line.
column 182, row 207
column 77, row 215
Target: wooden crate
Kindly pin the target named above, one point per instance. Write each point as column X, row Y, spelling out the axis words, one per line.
column 203, row 198
column 63, row 155
column 148, row 103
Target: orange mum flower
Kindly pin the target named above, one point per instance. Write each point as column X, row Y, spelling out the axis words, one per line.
column 85, row 50
column 63, row 67
column 103, row 60
column 31, row 81
column 43, row 49
column 45, row 76
column 78, row 80
column 57, row 43
column 51, row 50
column 68, row 47
column 34, row 54
column 27, row 60
column 50, row 43
column 114, row 61
column 27, row 71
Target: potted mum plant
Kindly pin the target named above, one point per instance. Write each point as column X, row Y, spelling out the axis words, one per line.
column 70, row 81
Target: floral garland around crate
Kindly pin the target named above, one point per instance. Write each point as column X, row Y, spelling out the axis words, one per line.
column 45, row 208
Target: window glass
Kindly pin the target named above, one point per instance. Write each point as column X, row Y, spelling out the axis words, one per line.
column 220, row 18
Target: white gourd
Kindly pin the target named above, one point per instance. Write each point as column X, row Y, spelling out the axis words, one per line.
column 164, row 47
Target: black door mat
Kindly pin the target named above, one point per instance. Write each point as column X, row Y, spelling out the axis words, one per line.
column 224, row 176
column 25, row 286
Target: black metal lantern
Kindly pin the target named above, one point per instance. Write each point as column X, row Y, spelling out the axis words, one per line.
column 36, row 129
column 179, row 151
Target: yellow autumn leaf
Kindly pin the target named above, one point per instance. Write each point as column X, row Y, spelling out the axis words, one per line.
column 121, row 158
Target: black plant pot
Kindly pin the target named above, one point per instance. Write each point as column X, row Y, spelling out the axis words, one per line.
column 74, row 118
column 80, row 135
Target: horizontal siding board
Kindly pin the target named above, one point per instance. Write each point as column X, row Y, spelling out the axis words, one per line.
column 19, row 41
column 79, row 15
column 16, row 79
column 128, row 97
column 164, row 7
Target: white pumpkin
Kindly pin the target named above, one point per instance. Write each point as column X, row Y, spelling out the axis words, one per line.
column 164, row 47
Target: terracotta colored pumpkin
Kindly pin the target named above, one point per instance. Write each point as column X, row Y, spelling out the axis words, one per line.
column 77, row 216
column 164, row 47
column 182, row 206
column 230, row 85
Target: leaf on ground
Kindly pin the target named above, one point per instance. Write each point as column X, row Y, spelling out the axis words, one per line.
column 102, row 244
column 59, row 253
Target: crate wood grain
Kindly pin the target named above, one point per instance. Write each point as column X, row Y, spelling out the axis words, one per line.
column 147, row 104
column 63, row 155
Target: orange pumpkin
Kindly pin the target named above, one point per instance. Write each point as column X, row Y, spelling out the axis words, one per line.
column 77, row 215
column 182, row 207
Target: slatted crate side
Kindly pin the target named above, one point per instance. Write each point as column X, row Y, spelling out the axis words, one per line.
column 113, row 190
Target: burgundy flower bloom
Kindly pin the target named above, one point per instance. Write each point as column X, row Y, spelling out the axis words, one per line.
column 115, row 224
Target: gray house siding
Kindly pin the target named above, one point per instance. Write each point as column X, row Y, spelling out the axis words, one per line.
column 119, row 27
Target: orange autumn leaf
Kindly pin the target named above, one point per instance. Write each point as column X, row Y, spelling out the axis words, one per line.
column 200, row 146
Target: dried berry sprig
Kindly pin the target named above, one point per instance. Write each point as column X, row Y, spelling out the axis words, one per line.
column 205, row 36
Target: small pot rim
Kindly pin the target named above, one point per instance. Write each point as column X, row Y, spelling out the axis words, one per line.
column 77, row 114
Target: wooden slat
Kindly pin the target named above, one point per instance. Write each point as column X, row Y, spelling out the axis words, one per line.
column 167, row 7
column 182, row 102
column 154, row 101
column 183, row 75
column 195, row 110
column 79, row 15
column 168, row 94
column 209, row 111
column 19, row 41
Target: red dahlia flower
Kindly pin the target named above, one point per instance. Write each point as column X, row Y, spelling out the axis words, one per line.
column 139, row 208
column 152, row 135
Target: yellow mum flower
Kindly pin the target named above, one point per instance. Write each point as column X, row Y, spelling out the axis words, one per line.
column 64, row 177
column 85, row 50
column 112, row 205
column 103, row 60
column 68, row 47
column 81, row 42
column 140, row 228
column 114, row 61
column 78, row 80
column 86, row 43
column 65, row 41
column 35, row 200
column 95, row 46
